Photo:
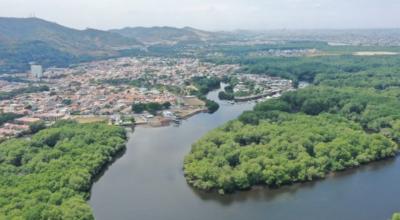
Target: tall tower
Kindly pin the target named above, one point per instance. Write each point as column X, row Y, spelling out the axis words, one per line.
column 36, row 71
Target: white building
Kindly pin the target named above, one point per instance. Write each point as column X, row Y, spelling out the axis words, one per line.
column 37, row 71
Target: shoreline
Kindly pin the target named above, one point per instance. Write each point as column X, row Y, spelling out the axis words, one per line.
column 329, row 175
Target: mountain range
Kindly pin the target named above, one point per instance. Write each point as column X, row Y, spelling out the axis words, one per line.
column 90, row 41
column 166, row 35
column 23, row 40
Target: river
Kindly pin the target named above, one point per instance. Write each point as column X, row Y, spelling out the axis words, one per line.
column 147, row 183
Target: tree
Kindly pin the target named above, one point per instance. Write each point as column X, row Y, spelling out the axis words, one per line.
column 67, row 102
column 138, row 107
column 166, row 105
column 212, row 106
column 36, row 126
column 228, row 89
column 42, row 182
column 225, row 96
column 286, row 148
column 6, row 117
column 153, row 107
column 396, row 216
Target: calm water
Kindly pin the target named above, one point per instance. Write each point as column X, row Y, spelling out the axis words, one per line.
column 147, row 183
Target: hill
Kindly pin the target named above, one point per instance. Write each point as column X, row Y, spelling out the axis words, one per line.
column 166, row 35
column 17, row 30
column 31, row 39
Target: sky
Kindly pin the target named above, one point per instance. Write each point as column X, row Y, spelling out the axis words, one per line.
column 211, row 14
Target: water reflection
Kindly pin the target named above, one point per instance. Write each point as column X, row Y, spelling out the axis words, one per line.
column 147, row 183
column 267, row 194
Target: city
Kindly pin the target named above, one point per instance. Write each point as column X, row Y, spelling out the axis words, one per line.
column 105, row 91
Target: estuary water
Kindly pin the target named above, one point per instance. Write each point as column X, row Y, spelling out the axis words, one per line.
column 147, row 183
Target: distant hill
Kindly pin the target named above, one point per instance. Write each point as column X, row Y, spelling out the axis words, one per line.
column 166, row 35
column 31, row 39
column 89, row 41
column 24, row 40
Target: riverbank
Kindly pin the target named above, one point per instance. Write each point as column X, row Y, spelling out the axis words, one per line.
column 141, row 183
column 283, row 149
column 255, row 97
column 49, row 175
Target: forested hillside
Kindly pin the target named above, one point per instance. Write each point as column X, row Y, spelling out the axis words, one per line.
column 162, row 35
column 77, row 42
column 350, row 116
column 24, row 40
column 49, row 175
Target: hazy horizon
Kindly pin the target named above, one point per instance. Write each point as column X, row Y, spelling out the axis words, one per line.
column 211, row 15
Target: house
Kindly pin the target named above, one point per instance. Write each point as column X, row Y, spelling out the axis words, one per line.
column 26, row 120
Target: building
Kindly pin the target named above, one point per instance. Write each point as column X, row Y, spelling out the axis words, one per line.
column 50, row 116
column 26, row 120
column 36, row 71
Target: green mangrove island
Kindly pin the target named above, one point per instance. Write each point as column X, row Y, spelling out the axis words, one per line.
column 349, row 116
column 49, row 175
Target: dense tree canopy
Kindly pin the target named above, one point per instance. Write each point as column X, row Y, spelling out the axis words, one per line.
column 151, row 107
column 49, row 175
column 205, row 84
column 348, row 117
column 282, row 150
column 225, row 96
column 6, row 117
column 211, row 105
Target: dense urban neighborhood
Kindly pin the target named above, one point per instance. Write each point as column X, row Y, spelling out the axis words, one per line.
column 107, row 90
